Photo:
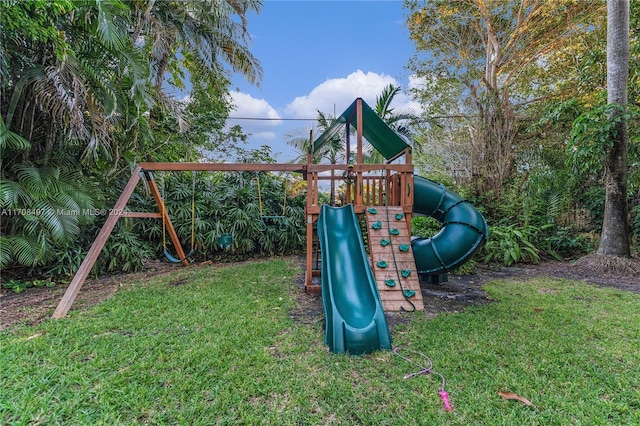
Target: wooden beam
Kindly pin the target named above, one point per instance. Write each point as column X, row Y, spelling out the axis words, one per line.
column 167, row 221
column 318, row 168
column 224, row 167
column 309, row 255
column 142, row 215
column 359, row 130
column 88, row 262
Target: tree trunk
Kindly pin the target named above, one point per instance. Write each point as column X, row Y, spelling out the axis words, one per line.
column 614, row 240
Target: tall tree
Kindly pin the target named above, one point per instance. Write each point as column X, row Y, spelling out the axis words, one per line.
column 614, row 239
column 78, row 80
column 68, row 73
column 477, row 57
column 197, row 44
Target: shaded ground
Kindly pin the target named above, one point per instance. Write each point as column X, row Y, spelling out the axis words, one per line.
column 465, row 290
column 36, row 305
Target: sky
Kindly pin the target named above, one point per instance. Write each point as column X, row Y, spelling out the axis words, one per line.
column 319, row 55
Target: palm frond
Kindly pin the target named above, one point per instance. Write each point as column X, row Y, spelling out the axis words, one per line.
column 112, row 23
column 383, row 101
column 29, row 250
column 10, row 140
column 13, row 194
column 5, row 251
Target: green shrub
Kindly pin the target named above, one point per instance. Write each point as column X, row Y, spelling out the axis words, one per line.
column 511, row 244
column 425, row 226
column 18, row 285
column 467, row 268
column 635, row 224
column 124, row 251
column 566, row 243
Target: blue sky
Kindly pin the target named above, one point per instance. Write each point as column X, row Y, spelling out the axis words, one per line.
column 320, row 55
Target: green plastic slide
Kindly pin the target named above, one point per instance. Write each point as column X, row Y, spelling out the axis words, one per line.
column 354, row 318
column 464, row 230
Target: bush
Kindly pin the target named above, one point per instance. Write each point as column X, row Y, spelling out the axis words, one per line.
column 425, row 226
column 510, row 245
column 635, row 224
column 566, row 243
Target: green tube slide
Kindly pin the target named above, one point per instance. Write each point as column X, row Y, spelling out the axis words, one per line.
column 464, row 230
column 354, row 318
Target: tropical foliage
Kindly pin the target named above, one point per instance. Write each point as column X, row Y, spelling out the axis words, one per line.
column 483, row 63
column 400, row 121
column 515, row 118
column 258, row 209
column 518, row 92
column 85, row 93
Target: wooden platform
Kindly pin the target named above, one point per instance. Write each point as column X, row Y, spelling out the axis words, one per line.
column 390, row 242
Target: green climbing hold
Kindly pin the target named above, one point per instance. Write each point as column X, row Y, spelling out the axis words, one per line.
column 405, row 273
column 372, row 210
column 403, row 247
column 384, row 242
column 394, row 231
column 382, row 264
column 399, row 216
column 409, row 293
column 390, row 283
column 377, row 225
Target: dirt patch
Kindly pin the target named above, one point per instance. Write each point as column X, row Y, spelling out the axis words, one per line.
column 459, row 292
column 34, row 305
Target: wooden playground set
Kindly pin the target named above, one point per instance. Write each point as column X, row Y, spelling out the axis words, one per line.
column 383, row 192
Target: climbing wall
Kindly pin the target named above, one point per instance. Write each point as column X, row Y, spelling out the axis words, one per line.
column 392, row 259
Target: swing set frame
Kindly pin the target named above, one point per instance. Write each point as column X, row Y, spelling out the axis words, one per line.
column 144, row 172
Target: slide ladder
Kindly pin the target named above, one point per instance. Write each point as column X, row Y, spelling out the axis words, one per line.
column 392, row 258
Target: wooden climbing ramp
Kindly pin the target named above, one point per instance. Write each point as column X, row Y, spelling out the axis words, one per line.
column 392, row 259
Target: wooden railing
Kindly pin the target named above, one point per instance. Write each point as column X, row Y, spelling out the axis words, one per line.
column 374, row 185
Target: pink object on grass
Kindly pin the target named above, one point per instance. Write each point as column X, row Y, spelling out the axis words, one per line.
column 445, row 398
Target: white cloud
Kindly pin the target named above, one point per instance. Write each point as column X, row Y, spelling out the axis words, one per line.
column 340, row 92
column 264, row 118
column 335, row 95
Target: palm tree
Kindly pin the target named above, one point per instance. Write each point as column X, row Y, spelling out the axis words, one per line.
column 299, row 140
column 202, row 32
column 63, row 98
column 76, row 87
column 70, row 91
column 333, row 152
column 614, row 240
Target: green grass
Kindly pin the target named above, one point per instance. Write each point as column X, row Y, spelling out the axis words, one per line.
column 218, row 346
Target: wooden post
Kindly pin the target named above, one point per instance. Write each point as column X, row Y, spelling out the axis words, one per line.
column 347, row 191
column 88, row 262
column 167, row 221
column 411, row 189
column 312, row 204
column 309, row 224
column 358, row 202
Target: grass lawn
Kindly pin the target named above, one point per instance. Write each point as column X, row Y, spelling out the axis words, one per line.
column 218, row 345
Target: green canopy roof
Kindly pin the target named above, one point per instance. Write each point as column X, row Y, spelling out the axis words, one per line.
column 380, row 136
